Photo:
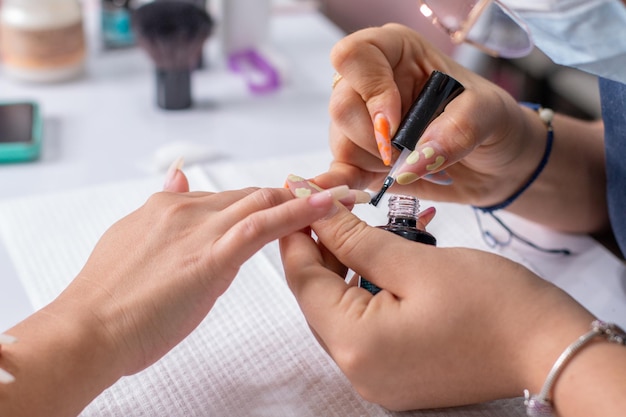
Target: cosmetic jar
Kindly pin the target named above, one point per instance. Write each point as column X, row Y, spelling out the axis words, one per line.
column 42, row 40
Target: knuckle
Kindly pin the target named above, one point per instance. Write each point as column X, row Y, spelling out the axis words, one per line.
column 167, row 206
column 269, row 197
column 157, row 199
column 343, row 51
column 250, row 190
column 250, row 228
column 340, row 108
column 344, row 237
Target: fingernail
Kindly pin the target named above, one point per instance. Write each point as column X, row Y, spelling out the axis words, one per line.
column 356, row 197
column 426, row 212
column 172, row 170
column 425, row 161
column 335, row 193
column 425, row 216
column 406, row 178
column 383, row 138
column 360, row 197
column 5, row 377
column 294, row 178
column 6, row 339
column 302, row 192
column 321, row 198
column 439, row 178
column 297, row 185
column 302, row 188
column 439, row 161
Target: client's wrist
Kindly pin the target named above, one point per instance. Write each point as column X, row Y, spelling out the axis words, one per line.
column 88, row 344
column 58, row 351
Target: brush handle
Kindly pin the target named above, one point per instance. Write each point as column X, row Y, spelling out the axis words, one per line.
column 173, row 89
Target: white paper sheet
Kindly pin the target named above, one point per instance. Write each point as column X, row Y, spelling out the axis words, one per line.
column 253, row 355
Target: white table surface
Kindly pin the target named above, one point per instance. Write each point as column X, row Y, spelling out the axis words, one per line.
column 105, row 127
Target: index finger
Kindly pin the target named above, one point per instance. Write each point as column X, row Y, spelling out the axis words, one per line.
column 367, row 67
column 258, row 221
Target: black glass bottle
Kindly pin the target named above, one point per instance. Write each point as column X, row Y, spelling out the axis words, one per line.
column 403, row 212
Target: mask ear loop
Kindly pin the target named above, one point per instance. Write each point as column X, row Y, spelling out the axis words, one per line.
column 546, row 116
column 492, row 242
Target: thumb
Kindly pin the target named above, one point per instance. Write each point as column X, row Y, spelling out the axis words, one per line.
column 175, row 180
column 367, row 250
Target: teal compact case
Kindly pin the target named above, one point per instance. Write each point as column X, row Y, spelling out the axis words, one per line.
column 21, row 131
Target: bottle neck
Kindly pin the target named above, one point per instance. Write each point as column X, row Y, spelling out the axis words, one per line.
column 403, row 210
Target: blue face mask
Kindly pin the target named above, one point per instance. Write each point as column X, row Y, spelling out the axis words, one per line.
column 586, row 34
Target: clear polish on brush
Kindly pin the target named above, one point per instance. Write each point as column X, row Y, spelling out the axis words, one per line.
column 438, row 91
column 391, row 177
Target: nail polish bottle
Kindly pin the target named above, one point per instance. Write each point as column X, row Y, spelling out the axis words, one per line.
column 116, row 24
column 402, row 215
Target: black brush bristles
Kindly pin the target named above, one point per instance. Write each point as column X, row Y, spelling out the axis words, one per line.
column 173, row 34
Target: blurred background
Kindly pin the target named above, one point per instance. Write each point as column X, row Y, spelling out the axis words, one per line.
column 534, row 78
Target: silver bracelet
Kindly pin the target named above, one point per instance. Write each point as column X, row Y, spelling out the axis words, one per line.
column 540, row 405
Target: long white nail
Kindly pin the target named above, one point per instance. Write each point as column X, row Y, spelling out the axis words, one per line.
column 171, row 171
column 335, row 193
column 6, row 339
column 360, row 196
column 5, row 377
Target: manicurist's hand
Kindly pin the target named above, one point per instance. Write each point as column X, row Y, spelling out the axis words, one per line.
column 480, row 151
column 150, row 280
column 451, row 326
column 383, row 70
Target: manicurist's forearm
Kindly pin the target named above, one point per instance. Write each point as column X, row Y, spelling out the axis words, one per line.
column 570, row 193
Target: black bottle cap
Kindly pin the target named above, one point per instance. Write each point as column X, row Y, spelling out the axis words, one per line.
column 438, row 91
column 173, row 89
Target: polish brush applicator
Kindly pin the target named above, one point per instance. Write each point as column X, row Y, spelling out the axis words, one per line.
column 438, row 91
column 173, row 34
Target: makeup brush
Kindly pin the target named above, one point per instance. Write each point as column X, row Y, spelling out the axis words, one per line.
column 172, row 33
column 203, row 4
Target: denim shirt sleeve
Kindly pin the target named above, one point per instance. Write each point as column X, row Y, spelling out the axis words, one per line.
column 613, row 96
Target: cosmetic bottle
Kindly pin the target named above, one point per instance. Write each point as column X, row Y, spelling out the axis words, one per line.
column 42, row 41
column 116, row 24
column 245, row 25
column 402, row 215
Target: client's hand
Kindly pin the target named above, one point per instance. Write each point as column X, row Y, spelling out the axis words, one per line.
column 155, row 274
column 151, row 279
column 451, row 326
